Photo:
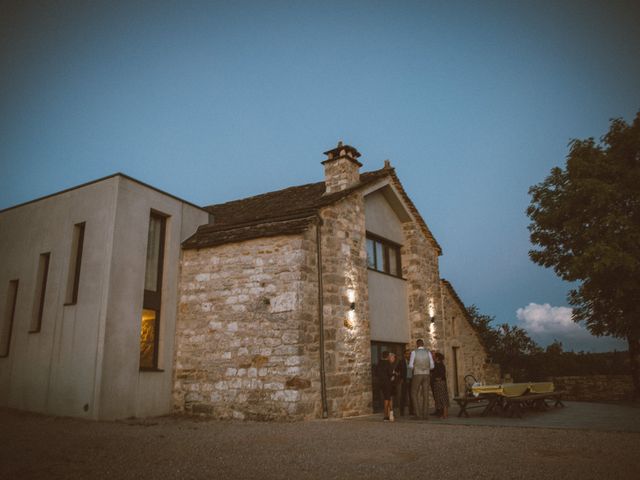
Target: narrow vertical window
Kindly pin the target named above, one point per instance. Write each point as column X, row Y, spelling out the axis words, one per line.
column 41, row 290
column 456, row 389
column 75, row 263
column 150, row 321
column 7, row 318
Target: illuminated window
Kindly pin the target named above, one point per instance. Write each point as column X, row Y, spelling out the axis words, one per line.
column 7, row 318
column 150, row 321
column 41, row 290
column 148, row 339
column 383, row 255
column 75, row 261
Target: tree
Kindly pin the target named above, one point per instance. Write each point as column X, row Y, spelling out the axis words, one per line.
column 554, row 348
column 516, row 352
column 586, row 221
column 507, row 345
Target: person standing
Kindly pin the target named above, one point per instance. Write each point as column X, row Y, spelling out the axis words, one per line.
column 396, row 379
column 421, row 362
column 440, row 391
column 385, row 371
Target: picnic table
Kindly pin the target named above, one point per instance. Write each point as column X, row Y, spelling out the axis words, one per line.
column 512, row 398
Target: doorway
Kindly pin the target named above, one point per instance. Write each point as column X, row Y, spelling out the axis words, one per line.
column 456, row 389
column 376, row 355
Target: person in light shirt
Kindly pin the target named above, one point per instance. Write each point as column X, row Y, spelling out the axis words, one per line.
column 421, row 364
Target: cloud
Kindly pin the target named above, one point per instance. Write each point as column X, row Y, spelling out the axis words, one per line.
column 538, row 319
column 546, row 323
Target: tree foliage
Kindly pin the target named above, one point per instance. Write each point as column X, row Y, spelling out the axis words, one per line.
column 586, row 223
column 510, row 346
column 523, row 359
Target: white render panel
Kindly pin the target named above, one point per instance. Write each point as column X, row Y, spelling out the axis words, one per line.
column 388, row 308
column 388, row 302
column 381, row 219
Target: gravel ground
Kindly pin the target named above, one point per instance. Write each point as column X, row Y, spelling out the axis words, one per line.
column 42, row 447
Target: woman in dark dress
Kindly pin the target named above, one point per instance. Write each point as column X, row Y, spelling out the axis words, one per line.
column 385, row 379
column 440, row 391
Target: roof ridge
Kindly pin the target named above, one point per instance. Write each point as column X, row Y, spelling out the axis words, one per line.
column 253, row 197
column 293, row 187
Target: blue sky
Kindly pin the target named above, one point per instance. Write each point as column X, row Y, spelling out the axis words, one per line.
column 473, row 102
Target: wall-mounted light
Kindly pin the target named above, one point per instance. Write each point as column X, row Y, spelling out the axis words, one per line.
column 352, row 305
column 432, row 311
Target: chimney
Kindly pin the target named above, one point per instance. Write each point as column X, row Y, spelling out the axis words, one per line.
column 341, row 168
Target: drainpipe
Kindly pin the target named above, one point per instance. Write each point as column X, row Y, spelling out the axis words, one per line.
column 323, row 382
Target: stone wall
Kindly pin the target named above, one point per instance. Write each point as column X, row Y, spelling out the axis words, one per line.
column 420, row 269
column 594, row 388
column 340, row 174
column 247, row 334
column 248, row 327
column 347, row 332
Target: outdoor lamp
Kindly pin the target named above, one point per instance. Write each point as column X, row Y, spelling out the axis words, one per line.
column 351, row 296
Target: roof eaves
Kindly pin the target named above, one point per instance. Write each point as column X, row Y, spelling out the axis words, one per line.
column 414, row 211
column 204, row 238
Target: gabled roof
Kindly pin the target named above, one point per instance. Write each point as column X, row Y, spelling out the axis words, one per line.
column 290, row 201
column 283, row 212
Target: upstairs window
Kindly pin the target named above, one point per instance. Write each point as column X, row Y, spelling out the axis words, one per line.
column 150, row 321
column 383, row 255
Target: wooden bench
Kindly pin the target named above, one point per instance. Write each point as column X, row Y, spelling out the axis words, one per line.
column 538, row 401
column 468, row 402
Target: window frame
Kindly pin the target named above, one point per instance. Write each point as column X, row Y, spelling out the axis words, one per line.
column 75, row 263
column 152, row 300
column 9, row 312
column 42, row 276
column 384, row 267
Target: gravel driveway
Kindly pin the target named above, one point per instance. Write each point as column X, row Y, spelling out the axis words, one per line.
column 41, row 447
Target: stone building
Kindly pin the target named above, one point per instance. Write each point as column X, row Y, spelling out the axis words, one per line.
column 288, row 298
column 273, row 306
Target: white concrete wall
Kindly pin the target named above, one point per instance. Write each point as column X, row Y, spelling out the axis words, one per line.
column 85, row 360
column 388, row 302
column 54, row 370
column 151, row 390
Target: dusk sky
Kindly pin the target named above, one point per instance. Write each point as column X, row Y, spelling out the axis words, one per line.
column 473, row 102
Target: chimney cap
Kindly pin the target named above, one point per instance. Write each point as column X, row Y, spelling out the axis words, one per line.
column 343, row 151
